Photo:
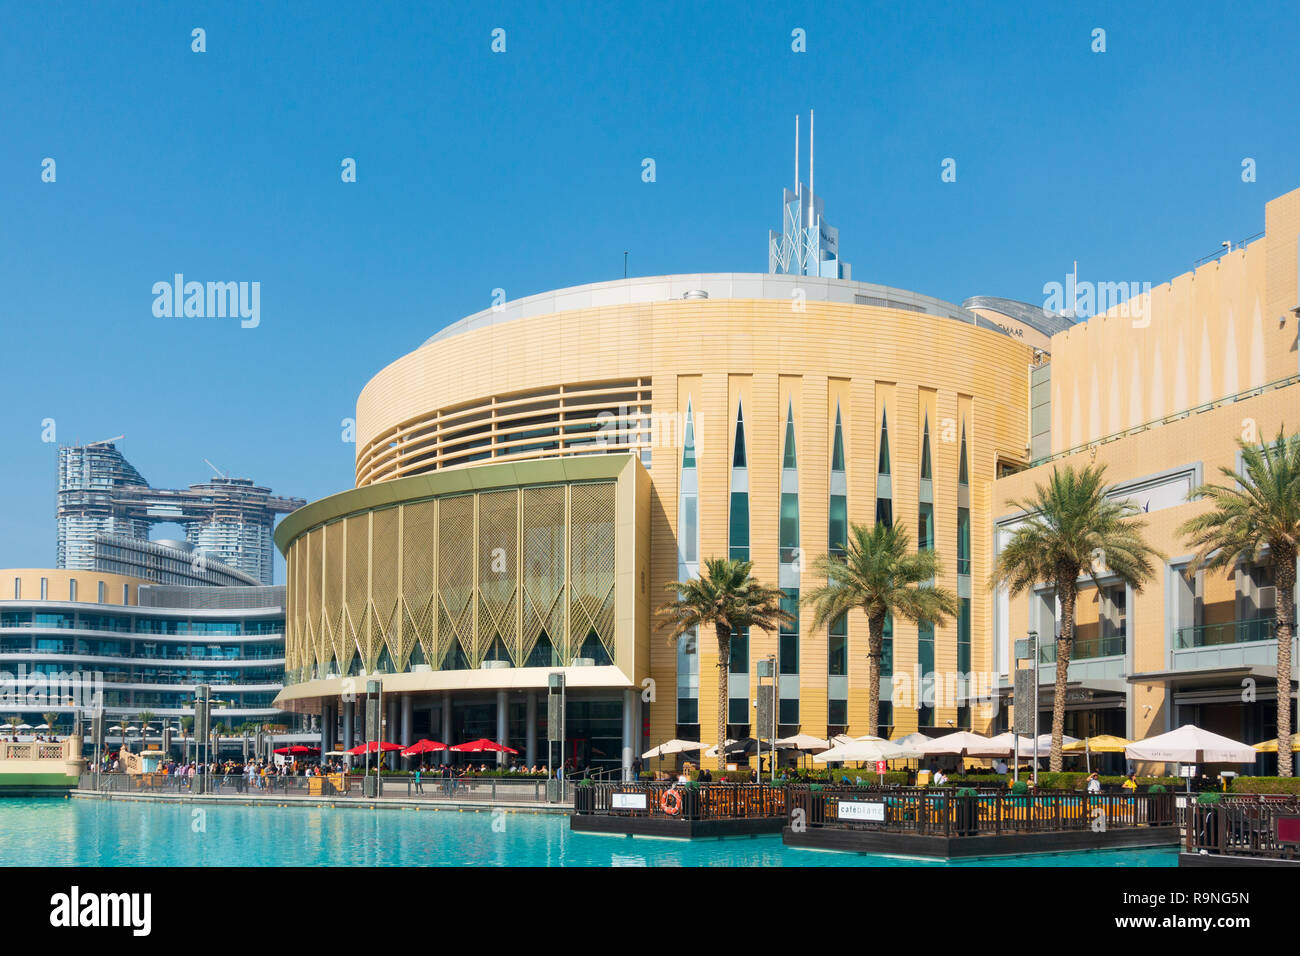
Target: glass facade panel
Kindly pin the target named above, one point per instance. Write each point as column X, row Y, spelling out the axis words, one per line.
column 963, row 635
column 739, row 652
column 789, row 529
column 739, row 547
column 788, row 651
column 838, row 526
column 925, row 527
column 963, row 541
column 838, row 659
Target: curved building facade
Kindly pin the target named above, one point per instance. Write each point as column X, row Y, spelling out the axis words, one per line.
column 536, row 476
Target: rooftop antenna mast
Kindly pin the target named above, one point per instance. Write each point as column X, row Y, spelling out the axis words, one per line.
column 797, row 188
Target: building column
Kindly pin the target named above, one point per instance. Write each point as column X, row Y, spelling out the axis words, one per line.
column 530, row 738
column 408, row 719
column 446, row 726
column 629, row 719
column 503, row 723
column 348, row 707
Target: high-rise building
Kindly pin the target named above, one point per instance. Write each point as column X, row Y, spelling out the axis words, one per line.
column 227, row 520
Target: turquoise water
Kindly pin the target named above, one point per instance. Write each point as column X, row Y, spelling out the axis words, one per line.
column 52, row 832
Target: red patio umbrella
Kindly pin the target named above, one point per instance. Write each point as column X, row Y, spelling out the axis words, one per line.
column 423, row 747
column 298, row 750
column 372, row 747
column 483, row 745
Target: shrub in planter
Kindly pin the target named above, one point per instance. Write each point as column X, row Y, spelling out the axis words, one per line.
column 967, row 792
column 1265, row 785
column 1157, row 788
column 1019, row 788
column 1208, row 797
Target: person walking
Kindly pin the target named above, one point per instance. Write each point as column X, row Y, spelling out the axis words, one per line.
column 419, row 787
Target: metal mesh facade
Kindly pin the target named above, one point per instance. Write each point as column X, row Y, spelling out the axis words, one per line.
column 453, row 581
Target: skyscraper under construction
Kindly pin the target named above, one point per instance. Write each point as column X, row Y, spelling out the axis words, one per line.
column 228, row 521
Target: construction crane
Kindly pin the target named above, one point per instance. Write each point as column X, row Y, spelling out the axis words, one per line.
column 219, row 472
column 106, row 441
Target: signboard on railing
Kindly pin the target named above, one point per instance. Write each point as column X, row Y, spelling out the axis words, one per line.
column 867, row 811
column 628, row 801
column 1288, row 829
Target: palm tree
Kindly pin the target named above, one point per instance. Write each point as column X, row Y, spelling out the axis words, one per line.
column 728, row 598
column 50, row 719
column 1255, row 520
column 878, row 574
column 146, row 718
column 1072, row 528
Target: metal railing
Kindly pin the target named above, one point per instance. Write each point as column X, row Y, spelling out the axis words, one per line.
column 487, row 789
column 1229, row 632
column 1246, row 826
column 946, row 813
column 400, row 787
column 696, row 801
column 1111, row 646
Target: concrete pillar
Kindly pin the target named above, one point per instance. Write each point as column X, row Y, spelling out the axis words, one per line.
column 408, row 721
column 324, row 728
column 448, row 734
column 530, row 738
column 349, row 706
column 503, row 724
column 629, row 718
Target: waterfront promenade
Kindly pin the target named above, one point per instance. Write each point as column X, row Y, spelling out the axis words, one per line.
column 399, row 792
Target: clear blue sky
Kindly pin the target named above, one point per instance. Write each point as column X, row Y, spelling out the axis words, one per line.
column 522, row 170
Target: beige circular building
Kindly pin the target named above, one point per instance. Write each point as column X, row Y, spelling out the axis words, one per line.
column 532, row 478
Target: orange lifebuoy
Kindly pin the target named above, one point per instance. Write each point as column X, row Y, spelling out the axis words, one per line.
column 671, row 802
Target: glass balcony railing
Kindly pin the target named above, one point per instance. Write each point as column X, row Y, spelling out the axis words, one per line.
column 1113, row 646
column 1229, row 632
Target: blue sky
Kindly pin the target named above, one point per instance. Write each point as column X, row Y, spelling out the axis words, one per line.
column 522, row 171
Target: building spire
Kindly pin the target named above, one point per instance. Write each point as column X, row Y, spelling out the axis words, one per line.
column 805, row 246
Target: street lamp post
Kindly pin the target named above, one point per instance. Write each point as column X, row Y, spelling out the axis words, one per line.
column 1033, row 662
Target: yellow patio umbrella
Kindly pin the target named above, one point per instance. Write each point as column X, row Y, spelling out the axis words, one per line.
column 1270, row 746
column 1101, row 744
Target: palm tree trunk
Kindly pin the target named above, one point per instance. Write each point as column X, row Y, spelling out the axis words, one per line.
column 875, row 650
column 724, row 698
column 1284, row 577
column 1068, row 589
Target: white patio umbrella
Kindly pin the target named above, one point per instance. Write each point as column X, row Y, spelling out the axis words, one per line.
column 24, row 726
column 1010, row 743
column 963, row 743
column 866, row 751
column 1191, row 744
column 673, row 746
column 913, row 740
column 1045, row 742
column 803, row 742
column 41, row 727
column 6, row 727
column 840, row 739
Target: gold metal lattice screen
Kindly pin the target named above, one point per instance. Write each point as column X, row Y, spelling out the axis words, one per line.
column 463, row 578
